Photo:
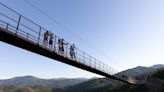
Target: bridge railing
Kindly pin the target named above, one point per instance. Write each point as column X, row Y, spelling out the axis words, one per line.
column 24, row 27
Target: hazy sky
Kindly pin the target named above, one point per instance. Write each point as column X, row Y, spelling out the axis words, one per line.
column 130, row 32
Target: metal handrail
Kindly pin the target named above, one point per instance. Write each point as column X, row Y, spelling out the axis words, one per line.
column 8, row 17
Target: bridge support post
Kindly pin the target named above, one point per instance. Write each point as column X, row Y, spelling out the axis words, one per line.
column 27, row 35
column 66, row 51
column 55, row 44
column 90, row 61
column 7, row 26
column 18, row 24
column 39, row 34
column 83, row 57
column 76, row 54
column 95, row 64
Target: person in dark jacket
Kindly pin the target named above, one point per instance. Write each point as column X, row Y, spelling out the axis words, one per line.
column 51, row 40
column 62, row 43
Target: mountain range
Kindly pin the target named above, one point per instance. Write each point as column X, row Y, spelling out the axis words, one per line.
column 140, row 71
column 154, row 83
column 34, row 81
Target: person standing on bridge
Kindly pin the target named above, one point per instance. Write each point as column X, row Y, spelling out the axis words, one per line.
column 46, row 34
column 72, row 51
column 59, row 45
column 51, row 40
column 62, row 45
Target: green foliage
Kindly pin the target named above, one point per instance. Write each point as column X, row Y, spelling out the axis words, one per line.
column 130, row 88
column 25, row 89
column 94, row 85
column 159, row 74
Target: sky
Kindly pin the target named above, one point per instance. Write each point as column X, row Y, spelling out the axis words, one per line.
column 125, row 34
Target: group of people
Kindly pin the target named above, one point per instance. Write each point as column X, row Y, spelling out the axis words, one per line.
column 48, row 39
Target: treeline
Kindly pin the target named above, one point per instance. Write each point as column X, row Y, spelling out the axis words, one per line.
column 25, row 89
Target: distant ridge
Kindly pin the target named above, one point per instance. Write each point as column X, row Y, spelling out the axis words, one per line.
column 140, row 70
column 154, row 83
column 34, row 81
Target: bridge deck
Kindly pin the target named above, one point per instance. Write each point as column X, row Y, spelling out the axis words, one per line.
column 10, row 38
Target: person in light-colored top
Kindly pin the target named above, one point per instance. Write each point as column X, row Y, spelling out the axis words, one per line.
column 72, row 51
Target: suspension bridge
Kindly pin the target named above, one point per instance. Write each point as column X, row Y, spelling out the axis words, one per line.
column 17, row 30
